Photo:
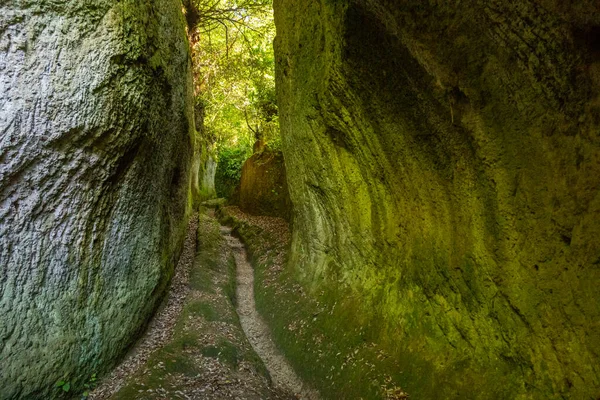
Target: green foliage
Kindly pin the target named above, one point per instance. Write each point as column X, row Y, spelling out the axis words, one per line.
column 234, row 69
column 229, row 168
column 89, row 385
column 231, row 159
column 65, row 386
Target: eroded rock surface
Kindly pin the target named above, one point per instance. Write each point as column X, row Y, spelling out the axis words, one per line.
column 96, row 143
column 443, row 160
column 263, row 187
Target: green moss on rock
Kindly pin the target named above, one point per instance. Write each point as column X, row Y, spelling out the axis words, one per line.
column 443, row 166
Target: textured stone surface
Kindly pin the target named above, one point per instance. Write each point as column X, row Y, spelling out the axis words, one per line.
column 443, row 160
column 208, row 178
column 96, row 142
column 263, row 187
column 204, row 169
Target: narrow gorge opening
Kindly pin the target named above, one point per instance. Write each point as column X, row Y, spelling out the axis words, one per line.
column 234, row 75
column 277, row 199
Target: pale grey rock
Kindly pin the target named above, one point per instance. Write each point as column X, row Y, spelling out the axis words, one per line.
column 208, row 179
column 96, row 142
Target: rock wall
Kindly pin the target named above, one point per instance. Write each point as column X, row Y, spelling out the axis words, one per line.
column 208, row 177
column 443, row 162
column 204, row 165
column 263, row 186
column 96, row 142
column 204, row 170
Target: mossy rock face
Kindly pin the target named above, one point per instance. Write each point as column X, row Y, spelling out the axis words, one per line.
column 95, row 153
column 263, row 187
column 443, row 162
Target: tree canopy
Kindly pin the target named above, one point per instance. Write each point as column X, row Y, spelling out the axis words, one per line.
column 234, row 69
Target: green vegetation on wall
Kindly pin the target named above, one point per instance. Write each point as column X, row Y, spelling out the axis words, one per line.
column 105, row 167
column 442, row 162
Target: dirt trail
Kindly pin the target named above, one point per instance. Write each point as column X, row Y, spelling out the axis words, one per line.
column 256, row 329
column 196, row 347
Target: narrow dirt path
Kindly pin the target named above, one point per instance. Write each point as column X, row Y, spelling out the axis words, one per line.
column 257, row 330
column 160, row 329
column 195, row 346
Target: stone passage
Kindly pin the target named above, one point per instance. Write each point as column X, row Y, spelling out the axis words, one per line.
column 195, row 348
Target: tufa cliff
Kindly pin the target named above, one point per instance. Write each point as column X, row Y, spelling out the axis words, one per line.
column 263, row 187
column 96, row 144
column 443, row 161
